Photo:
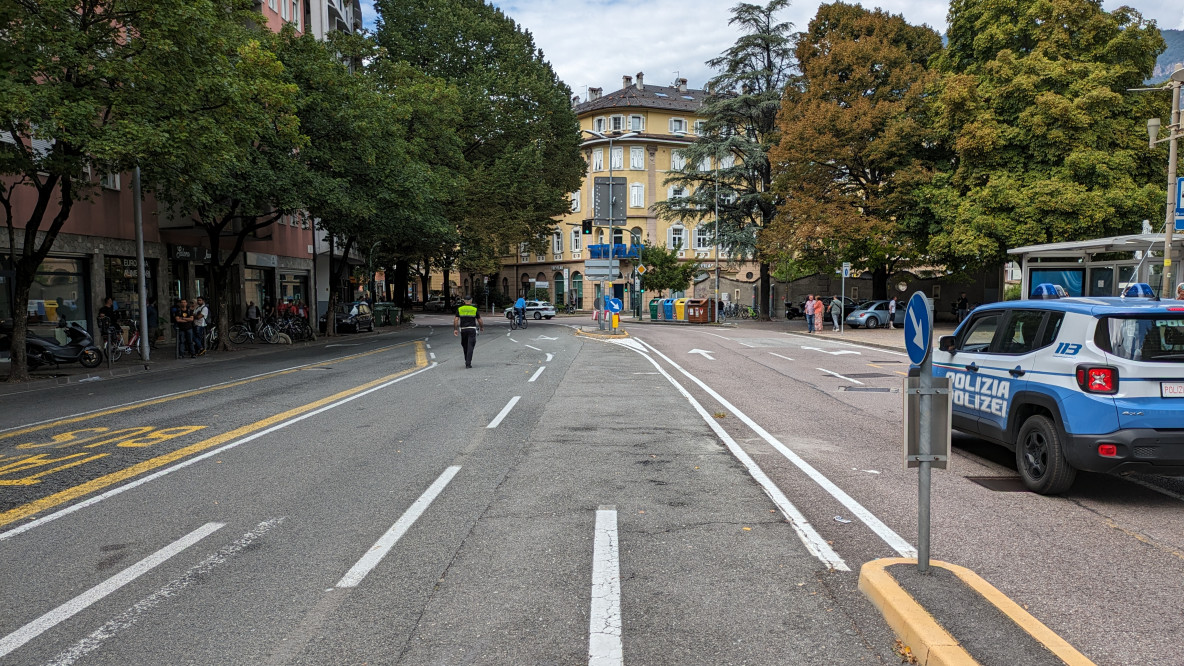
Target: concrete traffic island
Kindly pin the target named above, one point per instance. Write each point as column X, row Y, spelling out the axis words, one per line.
column 952, row 616
column 595, row 332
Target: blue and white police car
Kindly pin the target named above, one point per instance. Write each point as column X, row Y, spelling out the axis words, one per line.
column 1094, row 384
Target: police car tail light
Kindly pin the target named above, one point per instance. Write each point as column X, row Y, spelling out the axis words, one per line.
column 1108, row 450
column 1097, row 379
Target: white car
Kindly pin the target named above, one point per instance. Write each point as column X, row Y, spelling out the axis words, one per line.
column 535, row 310
column 1093, row 384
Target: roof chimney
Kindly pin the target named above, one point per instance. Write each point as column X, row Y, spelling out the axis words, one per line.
column 626, row 81
column 594, row 93
column 640, row 84
column 575, row 100
column 682, row 85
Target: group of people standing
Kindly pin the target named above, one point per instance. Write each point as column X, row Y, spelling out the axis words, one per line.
column 815, row 309
column 189, row 323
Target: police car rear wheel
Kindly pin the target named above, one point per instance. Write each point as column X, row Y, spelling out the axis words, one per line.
column 1041, row 459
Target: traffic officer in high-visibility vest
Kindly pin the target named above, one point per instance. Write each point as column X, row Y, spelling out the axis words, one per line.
column 466, row 323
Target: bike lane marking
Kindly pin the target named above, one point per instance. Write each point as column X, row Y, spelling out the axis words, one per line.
column 86, row 416
column 230, row 439
column 505, row 410
column 604, row 621
column 537, row 373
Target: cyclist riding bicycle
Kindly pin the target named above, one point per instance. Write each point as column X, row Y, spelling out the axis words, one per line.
column 520, row 310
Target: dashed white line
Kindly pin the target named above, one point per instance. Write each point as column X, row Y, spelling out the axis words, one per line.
column 831, row 372
column 894, row 540
column 549, row 357
column 512, row 339
column 878, row 350
column 427, row 345
column 81, row 602
column 604, row 623
column 131, row 616
column 433, row 355
column 780, row 356
column 537, row 373
column 396, row 532
column 532, row 347
column 505, row 410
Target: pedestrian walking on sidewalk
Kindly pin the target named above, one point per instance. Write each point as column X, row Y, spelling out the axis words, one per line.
column 466, row 324
column 836, row 311
column 892, row 313
column 818, row 309
column 808, row 311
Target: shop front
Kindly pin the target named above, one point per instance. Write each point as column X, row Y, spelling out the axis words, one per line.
column 294, row 287
column 58, row 296
column 122, row 283
column 188, row 271
column 258, row 281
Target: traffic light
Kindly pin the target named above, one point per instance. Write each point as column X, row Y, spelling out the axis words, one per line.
column 587, row 227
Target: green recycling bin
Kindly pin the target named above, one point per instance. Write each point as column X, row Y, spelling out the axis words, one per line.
column 654, row 303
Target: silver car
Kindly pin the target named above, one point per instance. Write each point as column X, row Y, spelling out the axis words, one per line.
column 535, row 310
column 875, row 314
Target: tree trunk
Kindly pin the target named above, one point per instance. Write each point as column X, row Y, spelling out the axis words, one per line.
column 766, row 286
column 425, row 279
column 335, row 278
column 19, row 366
column 880, row 283
column 400, row 282
column 447, row 291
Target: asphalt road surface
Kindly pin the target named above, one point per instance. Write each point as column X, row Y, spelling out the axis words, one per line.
column 687, row 496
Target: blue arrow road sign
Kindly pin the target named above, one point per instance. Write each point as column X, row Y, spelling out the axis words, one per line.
column 615, row 305
column 1180, row 195
column 917, row 328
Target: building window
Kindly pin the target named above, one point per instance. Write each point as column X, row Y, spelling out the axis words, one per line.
column 702, row 237
column 284, row 9
column 559, row 293
column 296, row 13
column 637, row 157
column 700, row 127
column 598, row 159
column 637, row 195
column 677, row 161
column 598, row 124
column 678, row 125
column 618, row 236
column 577, row 239
column 575, row 201
column 600, row 236
column 577, row 290
column 635, row 235
column 271, row 4
column 705, row 164
column 727, row 161
column 676, row 191
column 557, row 242
column 636, row 123
column 674, row 237
column 618, row 158
column 109, row 181
column 617, row 123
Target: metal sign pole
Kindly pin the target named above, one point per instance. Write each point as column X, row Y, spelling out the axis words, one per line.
column 925, row 449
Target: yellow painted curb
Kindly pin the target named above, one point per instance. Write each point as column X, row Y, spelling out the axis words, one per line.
column 598, row 336
column 932, row 644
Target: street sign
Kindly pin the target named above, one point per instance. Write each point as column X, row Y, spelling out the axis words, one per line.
column 614, row 264
column 601, row 213
column 846, row 269
column 1179, row 196
column 1180, row 224
column 565, row 274
column 600, row 276
column 917, row 328
column 541, row 284
column 938, row 423
column 615, row 305
column 641, row 269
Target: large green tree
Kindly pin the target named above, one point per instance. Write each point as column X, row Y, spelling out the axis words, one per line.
column 519, row 136
column 1047, row 144
column 740, row 128
column 85, row 89
column 854, row 143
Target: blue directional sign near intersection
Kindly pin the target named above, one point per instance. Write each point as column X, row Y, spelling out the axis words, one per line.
column 917, row 328
column 615, row 305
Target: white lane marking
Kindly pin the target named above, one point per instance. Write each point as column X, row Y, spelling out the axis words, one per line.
column 396, row 532
column 831, row 372
column 532, row 347
column 721, row 337
column 537, row 373
column 505, row 410
column 832, row 353
column 780, row 356
column 810, row 538
column 131, row 616
column 433, row 355
column 81, row 602
column 544, row 337
column 604, row 623
column 744, row 343
column 343, row 344
column 169, row 395
column 427, row 345
column 198, row 458
column 706, row 353
column 549, row 357
column 512, row 339
column 890, row 537
column 878, row 350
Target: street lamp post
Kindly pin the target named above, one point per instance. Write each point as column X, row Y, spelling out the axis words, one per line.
column 612, row 136
column 1174, row 133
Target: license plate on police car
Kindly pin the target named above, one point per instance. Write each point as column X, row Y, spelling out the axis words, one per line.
column 1171, row 389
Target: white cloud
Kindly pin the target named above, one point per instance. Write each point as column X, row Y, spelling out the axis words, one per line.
column 592, row 43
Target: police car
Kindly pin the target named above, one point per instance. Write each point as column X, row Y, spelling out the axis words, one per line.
column 1094, row 384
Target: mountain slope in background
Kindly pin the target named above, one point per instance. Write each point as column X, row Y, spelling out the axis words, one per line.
column 1166, row 63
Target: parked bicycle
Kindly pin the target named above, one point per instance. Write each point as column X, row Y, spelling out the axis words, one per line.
column 570, row 308
column 241, row 333
column 114, row 346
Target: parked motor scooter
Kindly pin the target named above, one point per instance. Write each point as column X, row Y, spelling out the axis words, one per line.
column 81, row 349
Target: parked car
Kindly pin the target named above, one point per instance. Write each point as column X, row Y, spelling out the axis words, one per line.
column 434, row 304
column 534, row 309
column 874, row 314
column 351, row 318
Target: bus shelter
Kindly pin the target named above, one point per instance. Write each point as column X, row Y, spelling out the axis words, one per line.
column 1098, row 267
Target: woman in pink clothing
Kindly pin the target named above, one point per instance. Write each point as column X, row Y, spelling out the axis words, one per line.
column 818, row 315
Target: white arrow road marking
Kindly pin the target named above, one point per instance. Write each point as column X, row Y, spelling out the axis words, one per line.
column 543, row 337
column 706, row 354
column 549, row 357
column 829, row 372
column 918, row 339
column 839, row 352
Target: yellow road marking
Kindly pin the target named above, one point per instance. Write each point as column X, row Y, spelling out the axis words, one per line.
column 876, row 366
column 901, row 373
column 190, row 394
column 50, row 501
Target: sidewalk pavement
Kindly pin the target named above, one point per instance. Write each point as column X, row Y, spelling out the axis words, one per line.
column 162, row 358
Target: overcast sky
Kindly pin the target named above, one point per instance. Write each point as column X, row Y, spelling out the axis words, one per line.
column 592, row 43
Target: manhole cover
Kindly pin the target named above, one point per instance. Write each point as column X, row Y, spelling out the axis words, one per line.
column 866, row 375
column 1001, row 484
column 867, row 389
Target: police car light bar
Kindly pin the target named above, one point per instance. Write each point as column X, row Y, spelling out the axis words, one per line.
column 1047, row 290
column 1139, row 290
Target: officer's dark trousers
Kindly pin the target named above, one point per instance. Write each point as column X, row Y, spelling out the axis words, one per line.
column 468, row 340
